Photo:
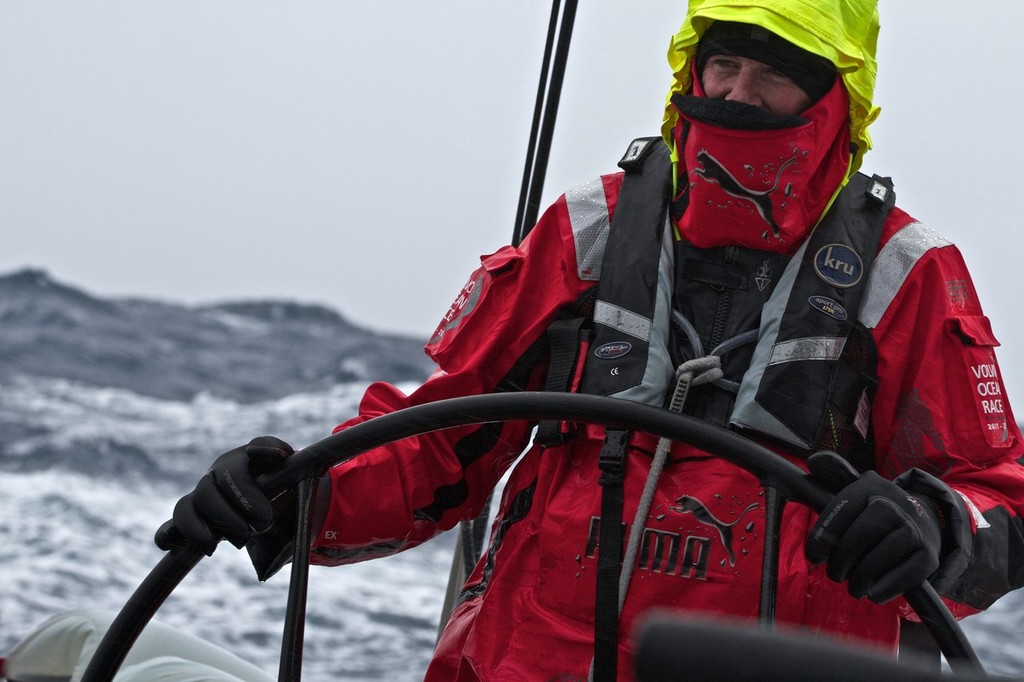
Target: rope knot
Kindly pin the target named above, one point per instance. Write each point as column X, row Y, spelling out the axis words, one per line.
column 709, row 368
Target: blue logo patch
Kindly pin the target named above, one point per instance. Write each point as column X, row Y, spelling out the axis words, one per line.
column 614, row 350
column 839, row 265
column 828, row 306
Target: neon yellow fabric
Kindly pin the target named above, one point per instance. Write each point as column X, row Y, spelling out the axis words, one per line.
column 843, row 31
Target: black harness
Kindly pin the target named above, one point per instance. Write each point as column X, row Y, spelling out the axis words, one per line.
column 806, row 384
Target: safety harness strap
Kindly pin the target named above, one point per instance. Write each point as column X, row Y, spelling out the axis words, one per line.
column 609, row 555
column 624, row 312
column 564, row 338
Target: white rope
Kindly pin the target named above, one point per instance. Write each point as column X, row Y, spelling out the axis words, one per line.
column 696, row 372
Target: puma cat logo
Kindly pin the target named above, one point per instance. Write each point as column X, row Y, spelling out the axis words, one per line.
column 702, row 514
column 714, row 171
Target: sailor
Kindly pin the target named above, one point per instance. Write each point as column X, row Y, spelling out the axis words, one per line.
column 820, row 317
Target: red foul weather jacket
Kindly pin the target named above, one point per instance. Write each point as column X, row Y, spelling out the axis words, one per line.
column 527, row 611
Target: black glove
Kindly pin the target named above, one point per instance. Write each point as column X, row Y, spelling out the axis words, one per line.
column 227, row 503
column 877, row 536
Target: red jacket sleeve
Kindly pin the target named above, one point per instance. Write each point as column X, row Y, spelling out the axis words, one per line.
column 491, row 339
column 941, row 407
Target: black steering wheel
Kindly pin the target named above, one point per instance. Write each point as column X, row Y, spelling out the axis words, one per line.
column 309, row 464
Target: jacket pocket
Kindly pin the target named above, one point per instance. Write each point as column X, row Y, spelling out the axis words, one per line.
column 984, row 380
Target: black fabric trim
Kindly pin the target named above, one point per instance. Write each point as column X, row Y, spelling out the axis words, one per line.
column 517, row 511
column 997, row 563
column 482, row 440
column 716, row 274
column 565, row 338
column 445, row 497
column 734, row 115
column 377, row 551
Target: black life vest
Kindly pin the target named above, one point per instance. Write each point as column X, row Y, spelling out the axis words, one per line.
column 808, row 382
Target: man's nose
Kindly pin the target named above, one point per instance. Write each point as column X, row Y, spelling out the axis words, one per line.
column 743, row 88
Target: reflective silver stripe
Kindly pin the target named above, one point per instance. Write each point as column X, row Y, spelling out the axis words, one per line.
column 892, row 266
column 813, row 348
column 588, row 216
column 659, row 371
column 747, row 413
column 624, row 320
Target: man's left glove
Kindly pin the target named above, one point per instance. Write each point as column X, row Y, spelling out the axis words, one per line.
column 227, row 502
column 877, row 536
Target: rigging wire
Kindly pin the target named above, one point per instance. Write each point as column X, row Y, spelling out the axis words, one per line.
column 545, row 113
column 471, row 540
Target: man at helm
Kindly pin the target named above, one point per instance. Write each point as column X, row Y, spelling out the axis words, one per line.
column 742, row 271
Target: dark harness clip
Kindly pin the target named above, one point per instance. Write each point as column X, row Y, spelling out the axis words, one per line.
column 633, row 160
column 613, row 452
column 878, row 189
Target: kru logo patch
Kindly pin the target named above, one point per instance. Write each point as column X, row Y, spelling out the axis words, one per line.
column 839, row 265
column 612, row 351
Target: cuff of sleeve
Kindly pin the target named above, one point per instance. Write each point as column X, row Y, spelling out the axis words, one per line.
column 955, row 520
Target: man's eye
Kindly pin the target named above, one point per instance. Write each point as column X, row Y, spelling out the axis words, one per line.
column 777, row 76
column 723, row 63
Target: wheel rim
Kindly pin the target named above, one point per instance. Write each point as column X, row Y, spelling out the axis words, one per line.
column 314, row 460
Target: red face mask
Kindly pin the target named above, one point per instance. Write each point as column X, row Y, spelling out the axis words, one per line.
column 763, row 188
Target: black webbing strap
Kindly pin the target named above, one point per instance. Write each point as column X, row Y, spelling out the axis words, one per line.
column 609, row 555
column 627, row 290
column 564, row 341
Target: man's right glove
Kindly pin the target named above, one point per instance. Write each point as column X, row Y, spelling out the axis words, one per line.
column 877, row 536
column 227, row 502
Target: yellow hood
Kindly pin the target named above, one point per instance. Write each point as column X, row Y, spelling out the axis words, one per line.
column 843, row 31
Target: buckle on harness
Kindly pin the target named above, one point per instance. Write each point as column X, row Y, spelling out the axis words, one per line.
column 613, row 453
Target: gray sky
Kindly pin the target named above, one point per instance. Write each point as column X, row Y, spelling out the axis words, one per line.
column 364, row 154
